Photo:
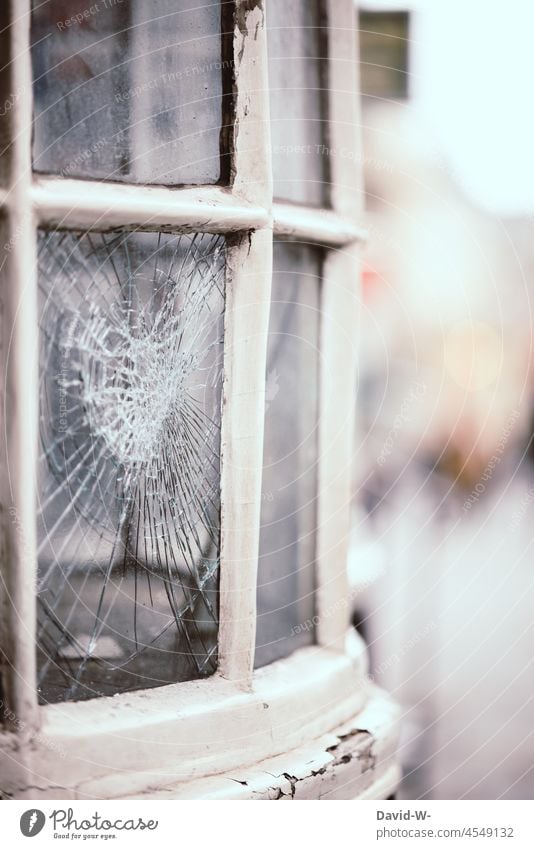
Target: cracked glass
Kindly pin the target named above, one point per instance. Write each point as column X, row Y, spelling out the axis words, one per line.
column 286, row 567
column 129, row 90
column 131, row 335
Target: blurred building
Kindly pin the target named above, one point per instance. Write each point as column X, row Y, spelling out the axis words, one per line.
column 446, row 395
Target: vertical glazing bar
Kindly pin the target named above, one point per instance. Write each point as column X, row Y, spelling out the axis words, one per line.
column 344, row 124
column 251, row 171
column 18, row 293
column 339, row 332
column 339, row 309
column 248, row 291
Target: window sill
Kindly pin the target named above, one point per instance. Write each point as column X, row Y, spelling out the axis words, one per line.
column 185, row 732
column 354, row 761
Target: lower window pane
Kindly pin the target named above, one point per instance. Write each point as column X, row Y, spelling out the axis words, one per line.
column 288, row 517
column 128, row 515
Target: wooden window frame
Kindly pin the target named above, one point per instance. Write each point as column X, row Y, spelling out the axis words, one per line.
column 134, row 740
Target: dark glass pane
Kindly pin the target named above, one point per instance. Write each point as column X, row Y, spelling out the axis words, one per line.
column 296, row 52
column 384, row 40
column 128, row 513
column 128, row 90
column 288, row 515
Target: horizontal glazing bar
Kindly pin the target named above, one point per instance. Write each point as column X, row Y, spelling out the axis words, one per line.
column 320, row 226
column 104, row 206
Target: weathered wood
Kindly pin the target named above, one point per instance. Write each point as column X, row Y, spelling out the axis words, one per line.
column 246, row 327
column 18, row 293
column 104, row 206
column 318, row 226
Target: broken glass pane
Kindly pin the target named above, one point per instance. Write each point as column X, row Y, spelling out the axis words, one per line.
column 297, row 95
column 128, row 90
column 131, row 336
column 286, row 578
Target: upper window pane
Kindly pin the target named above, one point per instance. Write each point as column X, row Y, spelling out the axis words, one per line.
column 128, row 511
column 128, row 90
column 286, row 567
column 384, row 39
column 297, row 94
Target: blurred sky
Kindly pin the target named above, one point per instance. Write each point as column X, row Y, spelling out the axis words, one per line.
column 472, row 79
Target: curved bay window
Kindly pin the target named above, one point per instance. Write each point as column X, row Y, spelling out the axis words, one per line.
column 180, row 220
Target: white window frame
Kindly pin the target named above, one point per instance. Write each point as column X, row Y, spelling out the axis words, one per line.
column 164, row 737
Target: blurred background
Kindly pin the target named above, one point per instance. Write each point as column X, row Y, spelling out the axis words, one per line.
column 441, row 560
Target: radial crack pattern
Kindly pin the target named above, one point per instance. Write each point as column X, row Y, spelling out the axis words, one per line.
column 128, row 518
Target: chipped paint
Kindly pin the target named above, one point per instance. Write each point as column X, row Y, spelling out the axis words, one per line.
column 244, row 8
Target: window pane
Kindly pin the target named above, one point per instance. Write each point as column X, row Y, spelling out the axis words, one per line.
column 297, row 93
column 128, row 514
column 288, row 516
column 384, row 39
column 128, row 91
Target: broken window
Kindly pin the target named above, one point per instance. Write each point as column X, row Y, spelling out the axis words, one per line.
column 128, row 497
column 141, row 579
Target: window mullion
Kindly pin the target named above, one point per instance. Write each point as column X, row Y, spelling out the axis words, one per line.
column 339, row 332
column 248, row 291
column 344, row 142
column 339, row 337
column 251, row 166
column 20, row 384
